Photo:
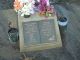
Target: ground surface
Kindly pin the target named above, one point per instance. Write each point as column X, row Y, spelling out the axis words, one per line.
column 71, row 49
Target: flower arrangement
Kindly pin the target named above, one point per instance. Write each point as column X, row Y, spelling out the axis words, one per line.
column 45, row 8
column 25, row 7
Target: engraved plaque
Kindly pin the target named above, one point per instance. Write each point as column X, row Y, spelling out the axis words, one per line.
column 31, row 33
column 39, row 32
column 47, row 31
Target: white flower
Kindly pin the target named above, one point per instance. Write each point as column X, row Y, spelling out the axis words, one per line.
column 28, row 8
